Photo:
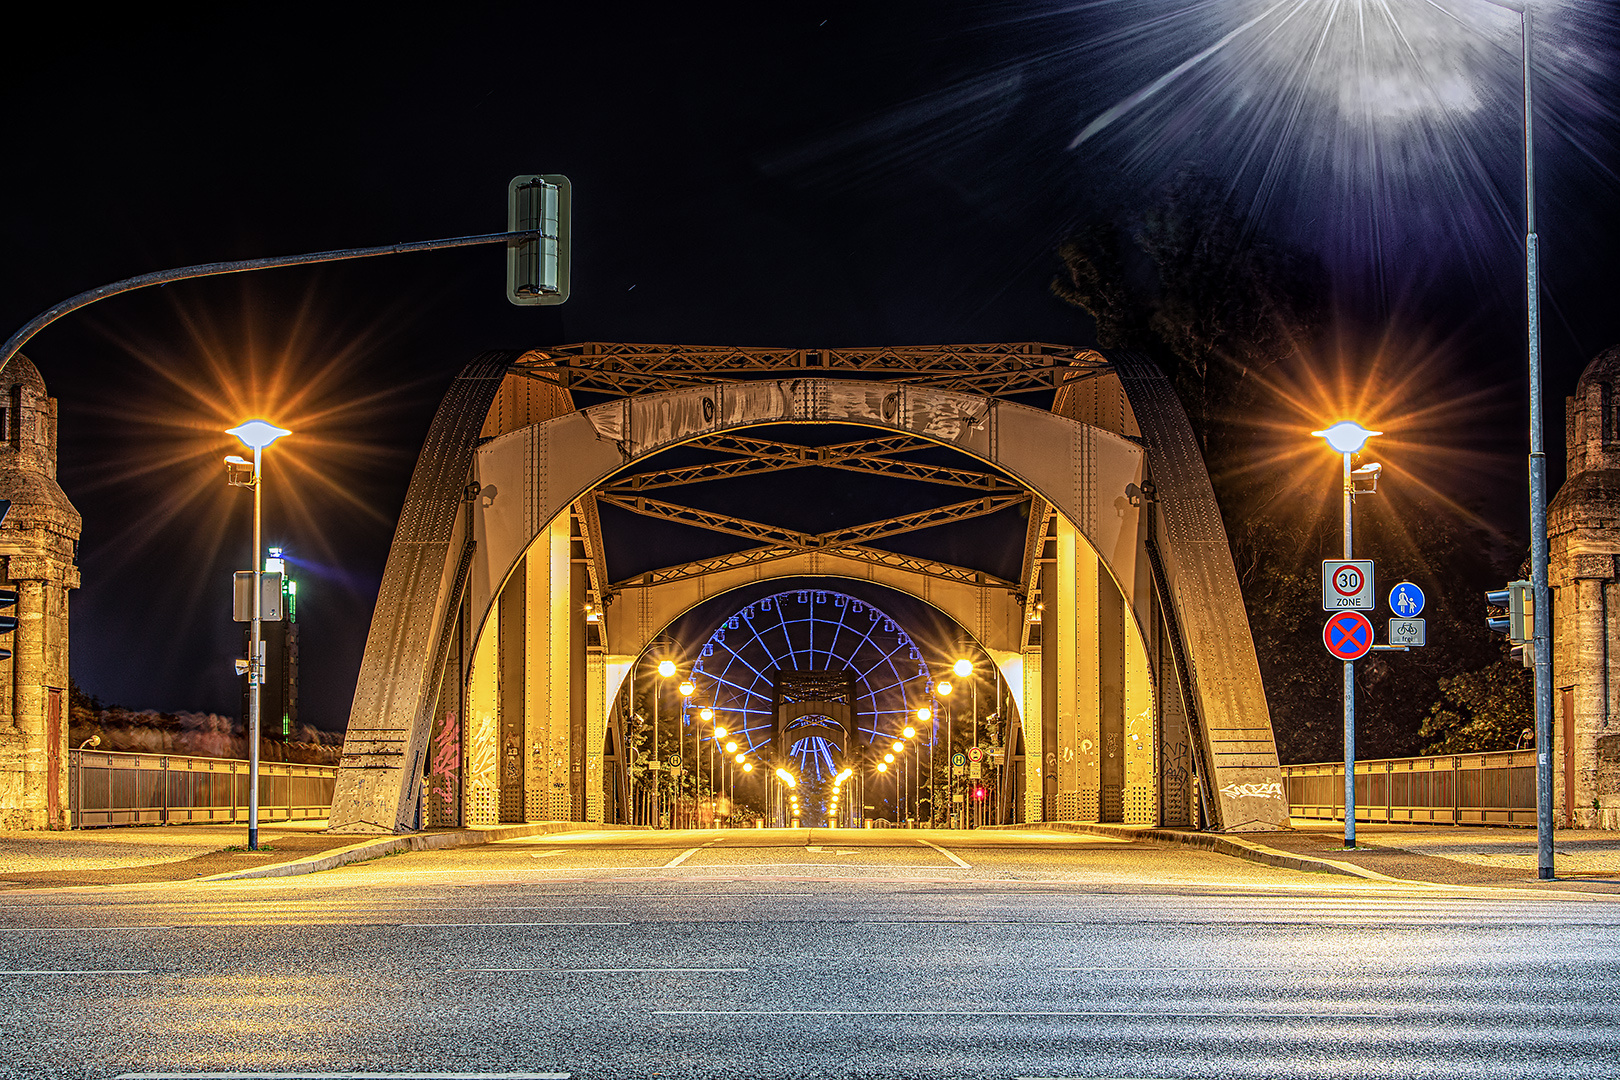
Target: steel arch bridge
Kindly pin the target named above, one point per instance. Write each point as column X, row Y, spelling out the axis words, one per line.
column 494, row 678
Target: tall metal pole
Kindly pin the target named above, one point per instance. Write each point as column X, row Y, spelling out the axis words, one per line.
column 1349, row 687
column 1542, row 637
column 255, row 657
column 657, row 769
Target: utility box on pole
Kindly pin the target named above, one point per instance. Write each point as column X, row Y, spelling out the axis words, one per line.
column 537, row 270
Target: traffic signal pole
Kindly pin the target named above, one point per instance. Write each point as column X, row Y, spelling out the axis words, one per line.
column 162, row 277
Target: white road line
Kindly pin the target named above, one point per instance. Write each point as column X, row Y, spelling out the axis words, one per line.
column 682, row 857
column 458, row 924
column 1247, row 1017
column 78, row 929
column 342, row 1076
column 544, row 854
column 83, row 971
column 945, row 853
column 621, row 970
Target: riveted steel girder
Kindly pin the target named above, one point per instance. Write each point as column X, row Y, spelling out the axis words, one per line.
column 991, row 370
column 776, row 534
column 872, row 456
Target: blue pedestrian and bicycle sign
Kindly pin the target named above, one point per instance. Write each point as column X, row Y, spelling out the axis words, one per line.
column 1406, row 600
column 1348, row 635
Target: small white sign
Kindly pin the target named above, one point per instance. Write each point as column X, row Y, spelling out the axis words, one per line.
column 1406, row 632
column 1347, row 585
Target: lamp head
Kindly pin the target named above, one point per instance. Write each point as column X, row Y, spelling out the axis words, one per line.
column 962, row 669
column 731, row 747
column 666, row 668
column 1347, row 436
column 943, row 689
column 707, row 714
column 909, row 732
column 258, row 434
column 688, row 688
column 924, row 715
column 748, row 766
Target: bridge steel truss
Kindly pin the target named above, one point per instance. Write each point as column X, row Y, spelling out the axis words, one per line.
column 500, row 644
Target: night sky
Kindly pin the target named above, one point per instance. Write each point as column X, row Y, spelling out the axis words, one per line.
column 808, row 174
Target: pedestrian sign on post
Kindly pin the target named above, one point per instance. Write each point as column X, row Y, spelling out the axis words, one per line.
column 1406, row 600
column 1347, row 585
column 1348, row 635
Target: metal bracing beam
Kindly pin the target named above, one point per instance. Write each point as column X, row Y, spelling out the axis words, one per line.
column 1029, row 579
column 993, row 370
column 776, row 552
column 590, row 534
column 776, row 534
column 871, row 456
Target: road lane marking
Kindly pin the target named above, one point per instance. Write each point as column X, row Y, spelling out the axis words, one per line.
column 421, row 924
column 945, row 853
column 1104, row 1013
column 82, row 971
column 682, row 857
column 344, row 1076
column 79, row 929
column 621, row 970
column 544, row 854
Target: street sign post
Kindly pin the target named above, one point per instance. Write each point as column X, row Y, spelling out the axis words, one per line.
column 1348, row 635
column 1347, row 585
column 958, row 760
column 975, row 754
column 1406, row 600
column 1406, row 632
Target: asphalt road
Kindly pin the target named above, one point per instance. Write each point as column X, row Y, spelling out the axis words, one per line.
column 815, row 954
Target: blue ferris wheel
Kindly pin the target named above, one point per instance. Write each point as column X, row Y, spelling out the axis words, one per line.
column 812, row 630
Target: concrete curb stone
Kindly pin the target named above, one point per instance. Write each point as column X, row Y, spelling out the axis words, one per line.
column 1221, row 843
column 388, row 845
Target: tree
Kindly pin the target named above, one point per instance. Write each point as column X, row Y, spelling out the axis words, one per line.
column 1229, row 316
column 1487, row 709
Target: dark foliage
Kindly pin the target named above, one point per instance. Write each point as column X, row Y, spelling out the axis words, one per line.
column 1219, row 307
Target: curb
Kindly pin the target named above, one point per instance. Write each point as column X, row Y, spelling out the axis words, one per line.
column 371, row 849
column 1219, row 843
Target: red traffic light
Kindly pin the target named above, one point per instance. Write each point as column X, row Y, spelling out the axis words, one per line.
column 979, row 793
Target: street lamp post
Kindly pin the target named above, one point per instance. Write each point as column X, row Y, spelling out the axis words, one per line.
column 1541, row 632
column 256, row 434
column 1348, row 438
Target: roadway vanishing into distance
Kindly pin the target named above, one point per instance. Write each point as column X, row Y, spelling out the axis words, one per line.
column 810, row 953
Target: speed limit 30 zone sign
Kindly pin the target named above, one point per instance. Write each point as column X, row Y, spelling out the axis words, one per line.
column 1347, row 585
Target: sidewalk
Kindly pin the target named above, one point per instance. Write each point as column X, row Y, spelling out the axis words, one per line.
column 148, row 853
column 163, row 853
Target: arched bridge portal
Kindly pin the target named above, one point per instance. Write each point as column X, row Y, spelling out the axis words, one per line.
column 500, row 637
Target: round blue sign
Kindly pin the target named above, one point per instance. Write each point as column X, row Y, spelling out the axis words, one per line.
column 1406, row 600
column 1348, row 635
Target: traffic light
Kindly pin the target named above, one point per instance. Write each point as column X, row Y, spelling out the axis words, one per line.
column 1518, row 617
column 8, row 623
column 979, row 793
column 8, row 597
column 537, row 270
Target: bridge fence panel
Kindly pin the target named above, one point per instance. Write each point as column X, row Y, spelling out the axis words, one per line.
column 1452, row 789
column 168, row 789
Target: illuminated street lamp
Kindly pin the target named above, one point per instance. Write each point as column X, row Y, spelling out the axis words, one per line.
column 256, row 434
column 1348, row 437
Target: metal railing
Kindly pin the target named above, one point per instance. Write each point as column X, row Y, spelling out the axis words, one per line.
column 165, row 789
column 1455, row 789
